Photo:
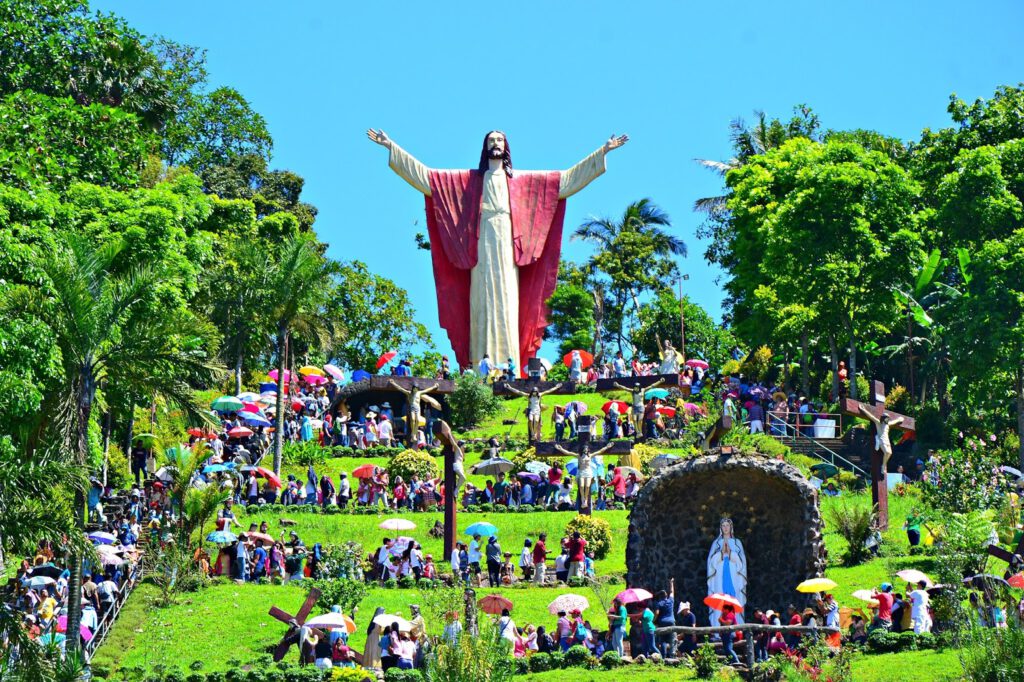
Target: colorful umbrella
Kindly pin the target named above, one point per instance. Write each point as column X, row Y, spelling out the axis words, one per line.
column 263, row 472
column 267, row 387
column 494, row 604
column 360, row 375
column 759, row 392
column 586, row 357
column 535, row 467
column 626, row 471
column 667, row 411
column 495, row 465
column 240, row 432
column 218, row 468
column 693, row 408
column 363, row 471
column 396, row 524
column 260, row 536
column 386, row 357
column 149, row 440
column 527, row 476
column 247, row 396
column 386, row 620
column 620, row 405
column 253, row 419
column 912, row 575
column 227, row 403
column 310, row 370
column 315, row 380
column 39, row 582
column 694, row 362
column 102, row 538
column 1016, row 581
column 825, row 469
column 483, row 529
column 581, row 407
column 111, row 560
column 816, row 585
column 984, row 581
column 633, row 595
column 568, row 603
column 718, row 600
column 288, row 376
column 656, row 393
column 334, row 372
column 62, row 626
column 201, row 433
column 332, row 621
column 221, row 537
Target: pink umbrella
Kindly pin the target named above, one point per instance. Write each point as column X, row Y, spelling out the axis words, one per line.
column 287, row 375
column 239, row 431
column 250, row 407
column 632, row 595
column 694, row 362
column 336, row 373
column 62, row 626
column 315, row 380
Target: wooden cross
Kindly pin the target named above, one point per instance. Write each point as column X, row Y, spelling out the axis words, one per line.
column 879, row 485
column 1000, row 553
column 449, row 449
column 295, row 624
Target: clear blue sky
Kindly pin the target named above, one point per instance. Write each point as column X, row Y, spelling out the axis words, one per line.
column 558, row 78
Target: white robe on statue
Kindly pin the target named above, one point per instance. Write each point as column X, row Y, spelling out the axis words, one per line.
column 494, row 281
column 727, row 575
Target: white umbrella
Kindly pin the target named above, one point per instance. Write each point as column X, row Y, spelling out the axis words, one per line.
column 568, row 603
column 386, row 620
column 163, row 474
column 912, row 575
column 396, row 524
column 492, row 466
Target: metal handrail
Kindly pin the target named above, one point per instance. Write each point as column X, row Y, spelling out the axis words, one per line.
column 110, row 617
column 793, row 431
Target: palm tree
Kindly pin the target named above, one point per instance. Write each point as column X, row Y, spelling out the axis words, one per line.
column 105, row 328
column 299, row 283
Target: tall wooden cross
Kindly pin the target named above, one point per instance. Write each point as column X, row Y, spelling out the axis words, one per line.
column 876, row 408
column 295, row 624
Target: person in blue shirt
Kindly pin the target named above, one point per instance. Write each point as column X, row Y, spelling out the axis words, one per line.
column 259, row 561
column 485, row 367
column 665, row 616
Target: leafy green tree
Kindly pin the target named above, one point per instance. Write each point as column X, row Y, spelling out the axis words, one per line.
column 472, row 401
column 659, row 319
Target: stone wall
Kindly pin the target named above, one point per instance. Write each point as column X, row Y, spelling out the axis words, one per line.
column 774, row 511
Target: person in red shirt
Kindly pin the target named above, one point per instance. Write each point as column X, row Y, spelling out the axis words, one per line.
column 883, row 619
column 793, row 638
column 554, row 482
column 728, row 617
column 577, row 558
column 540, row 557
column 618, row 484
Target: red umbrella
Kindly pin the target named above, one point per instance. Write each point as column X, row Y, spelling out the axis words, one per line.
column 1017, row 581
column 263, row 472
column 622, row 406
column 298, row 405
column 718, row 600
column 239, row 432
column 386, row 358
column 364, row 471
column 693, row 362
column 494, row 604
column 201, row 433
column 587, row 358
column 250, row 407
column 667, row 411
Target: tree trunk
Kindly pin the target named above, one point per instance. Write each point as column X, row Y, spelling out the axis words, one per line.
column 238, row 372
column 1020, row 413
column 805, row 370
column 129, row 432
column 87, row 392
column 598, row 347
column 108, row 425
column 834, row 361
column 282, row 352
column 853, row 360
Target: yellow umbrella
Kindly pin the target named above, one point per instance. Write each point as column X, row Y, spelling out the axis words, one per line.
column 816, row 585
column 309, row 369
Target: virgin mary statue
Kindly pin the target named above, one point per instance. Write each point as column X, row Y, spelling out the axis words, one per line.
column 727, row 569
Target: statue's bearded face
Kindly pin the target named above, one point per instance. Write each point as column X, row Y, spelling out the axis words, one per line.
column 495, row 145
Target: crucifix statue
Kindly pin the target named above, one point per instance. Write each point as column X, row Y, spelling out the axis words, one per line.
column 496, row 236
column 636, row 414
column 584, row 470
column 533, row 408
column 883, row 420
column 417, row 396
column 298, row 632
column 454, row 479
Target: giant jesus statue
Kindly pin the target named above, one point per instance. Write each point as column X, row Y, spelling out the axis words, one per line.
column 496, row 236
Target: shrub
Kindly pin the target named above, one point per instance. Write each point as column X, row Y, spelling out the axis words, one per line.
column 853, row 523
column 968, row 479
column 409, row 462
column 540, row 662
column 472, row 401
column 705, row 662
column 304, row 453
column 500, row 508
column 578, row 656
column 557, row 660
column 758, row 364
column 390, row 584
column 396, row 675
column 645, row 453
column 341, row 592
column 407, row 581
column 356, row 674
column 487, row 507
column 577, row 581
column 898, row 399
column 525, row 508
column 596, row 531
column 883, row 642
column 520, row 460
column 522, row 666
column 610, row 659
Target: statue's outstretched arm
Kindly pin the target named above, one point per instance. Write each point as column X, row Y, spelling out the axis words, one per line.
column 391, row 382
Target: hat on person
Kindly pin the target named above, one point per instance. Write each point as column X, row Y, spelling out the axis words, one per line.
column 683, row 606
column 769, row 613
column 886, row 587
column 386, row 405
column 808, row 611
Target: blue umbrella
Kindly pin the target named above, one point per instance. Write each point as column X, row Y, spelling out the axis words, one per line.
column 254, row 419
column 359, row 375
column 268, row 386
column 539, row 468
column 482, row 528
column 596, row 464
column 221, row 537
column 101, row 538
column 656, row 393
column 216, row 468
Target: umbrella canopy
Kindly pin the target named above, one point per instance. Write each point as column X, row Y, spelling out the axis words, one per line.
column 164, row 474
column 260, row 536
column 694, row 362
column 334, row 372
column 221, row 537
column 667, row 411
column 912, row 575
column 655, row 393
column 527, row 476
column 268, row 387
column 47, row 571
column 111, row 560
column 482, row 528
column 494, row 604
column 693, row 408
column 332, row 621
column 491, row 466
column 400, row 544
column 568, row 602
column 621, row 406
column 718, row 600
column 310, row 370
column 102, row 538
column 1016, row 473
column 586, row 357
column 240, row 432
column 315, row 380
column 386, row 620
column 596, row 463
column 396, row 524
column 632, row 595
column 360, row 375
column 1016, row 581
column 62, row 626
column 149, row 440
column 386, row 357
column 218, row 468
column 661, row 461
column 201, row 433
column 759, row 392
column 581, row 407
column 984, row 580
column 254, row 419
column 363, row 471
column 247, row 396
column 864, row 595
column 39, row 582
column 535, row 467
column 263, row 472
column 626, row 471
column 816, row 585
column 288, row 376
column 226, row 403
column 825, row 469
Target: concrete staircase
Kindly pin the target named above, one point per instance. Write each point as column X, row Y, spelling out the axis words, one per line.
column 819, row 449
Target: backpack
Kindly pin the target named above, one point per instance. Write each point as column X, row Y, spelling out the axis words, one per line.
column 581, row 632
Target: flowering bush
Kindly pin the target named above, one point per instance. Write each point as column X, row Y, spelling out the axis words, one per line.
column 409, row 462
column 965, row 479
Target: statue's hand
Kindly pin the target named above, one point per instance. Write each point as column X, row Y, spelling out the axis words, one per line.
column 380, row 137
column 615, row 142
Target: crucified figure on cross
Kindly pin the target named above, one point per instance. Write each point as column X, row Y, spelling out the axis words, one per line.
column 636, row 414
column 416, row 396
column 533, row 408
column 584, row 470
column 454, row 478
